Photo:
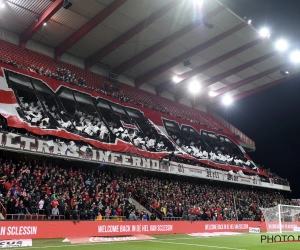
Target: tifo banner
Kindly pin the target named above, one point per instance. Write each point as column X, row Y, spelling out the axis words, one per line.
column 66, row 229
column 11, row 141
column 11, row 110
column 15, row 243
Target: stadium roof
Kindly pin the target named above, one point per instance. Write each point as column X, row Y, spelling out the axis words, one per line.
column 152, row 41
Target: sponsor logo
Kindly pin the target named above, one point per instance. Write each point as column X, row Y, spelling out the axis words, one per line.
column 296, row 229
column 15, row 243
column 254, row 230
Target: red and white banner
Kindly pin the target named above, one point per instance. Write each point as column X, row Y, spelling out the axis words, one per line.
column 9, row 103
column 82, row 229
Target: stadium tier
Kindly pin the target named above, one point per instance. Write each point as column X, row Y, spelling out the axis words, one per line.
column 46, row 189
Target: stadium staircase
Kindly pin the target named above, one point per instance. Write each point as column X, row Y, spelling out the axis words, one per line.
column 140, row 207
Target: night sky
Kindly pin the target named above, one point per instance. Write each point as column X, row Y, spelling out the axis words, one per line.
column 272, row 117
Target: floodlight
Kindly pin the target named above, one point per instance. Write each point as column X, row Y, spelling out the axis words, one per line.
column 44, row 24
column 249, row 21
column 198, row 3
column 264, row 32
column 295, row 56
column 212, row 93
column 281, row 45
column 194, row 87
column 227, row 100
column 176, row 79
column 3, row 5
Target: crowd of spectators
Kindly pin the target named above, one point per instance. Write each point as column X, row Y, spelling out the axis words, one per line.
column 60, row 74
column 113, row 90
column 30, row 186
column 274, row 177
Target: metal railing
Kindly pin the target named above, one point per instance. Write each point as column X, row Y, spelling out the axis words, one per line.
column 115, row 218
column 2, row 210
column 172, row 218
column 25, row 217
column 33, row 217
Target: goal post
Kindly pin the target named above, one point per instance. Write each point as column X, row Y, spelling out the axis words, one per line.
column 278, row 218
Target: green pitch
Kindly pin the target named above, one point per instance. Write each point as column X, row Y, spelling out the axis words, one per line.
column 176, row 242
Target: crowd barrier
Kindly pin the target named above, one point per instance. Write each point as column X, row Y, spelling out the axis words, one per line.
column 62, row 229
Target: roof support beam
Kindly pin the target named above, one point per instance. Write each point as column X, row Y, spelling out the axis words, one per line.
column 86, row 28
column 160, row 45
column 235, row 70
column 179, row 59
column 35, row 26
column 257, row 90
column 210, row 64
column 100, row 54
column 243, row 82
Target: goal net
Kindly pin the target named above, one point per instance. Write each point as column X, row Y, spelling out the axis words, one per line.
column 277, row 218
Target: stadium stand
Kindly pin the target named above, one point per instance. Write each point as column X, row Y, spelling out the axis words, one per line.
column 49, row 188
column 29, row 188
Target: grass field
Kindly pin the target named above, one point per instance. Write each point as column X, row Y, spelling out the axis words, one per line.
column 177, row 241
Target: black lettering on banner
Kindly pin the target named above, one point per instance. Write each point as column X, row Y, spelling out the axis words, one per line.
column 208, row 173
column 215, row 175
column 180, row 168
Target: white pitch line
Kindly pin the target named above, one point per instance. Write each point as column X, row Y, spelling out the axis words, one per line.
column 198, row 245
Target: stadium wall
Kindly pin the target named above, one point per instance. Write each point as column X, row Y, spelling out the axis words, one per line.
column 62, row 229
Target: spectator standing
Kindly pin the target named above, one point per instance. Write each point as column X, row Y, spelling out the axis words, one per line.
column 91, row 215
column 132, row 216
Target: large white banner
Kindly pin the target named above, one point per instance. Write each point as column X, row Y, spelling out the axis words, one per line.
column 15, row 142
column 212, row 174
